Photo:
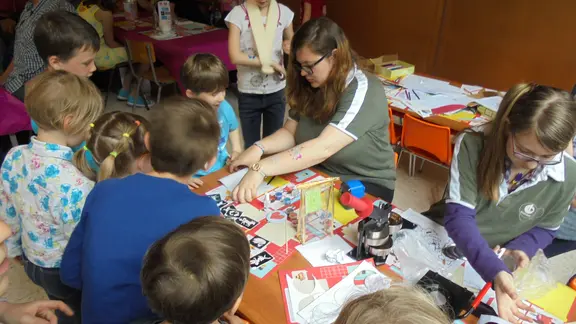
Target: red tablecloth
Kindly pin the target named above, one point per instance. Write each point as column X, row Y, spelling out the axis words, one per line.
column 13, row 116
column 173, row 53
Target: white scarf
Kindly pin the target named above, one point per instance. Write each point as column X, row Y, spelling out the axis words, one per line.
column 264, row 36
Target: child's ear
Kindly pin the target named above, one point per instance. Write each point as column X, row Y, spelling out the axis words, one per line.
column 147, row 141
column 236, row 305
column 190, row 94
column 210, row 163
column 54, row 62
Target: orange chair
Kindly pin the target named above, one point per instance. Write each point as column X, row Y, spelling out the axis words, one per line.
column 427, row 141
column 396, row 159
column 394, row 130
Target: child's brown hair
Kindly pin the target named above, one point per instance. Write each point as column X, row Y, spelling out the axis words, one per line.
column 396, row 305
column 184, row 136
column 116, row 142
column 58, row 100
column 204, row 72
column 197, row 273
column 547, row 111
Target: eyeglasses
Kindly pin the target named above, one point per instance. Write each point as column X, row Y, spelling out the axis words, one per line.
column 528, row 158
column 309, row 69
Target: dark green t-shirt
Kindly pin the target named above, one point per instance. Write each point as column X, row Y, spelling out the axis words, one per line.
column 361, row 113
column 543, row 201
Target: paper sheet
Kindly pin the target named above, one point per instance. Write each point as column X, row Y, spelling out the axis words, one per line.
column 472, row 279
column 315, row 252
column 365, row 279
column 429, row 85
column 233, row 180
column 471, row 88
column 492, row 103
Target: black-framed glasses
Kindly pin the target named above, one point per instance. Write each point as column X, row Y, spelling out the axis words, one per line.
column 528, row 158
column 309, row 69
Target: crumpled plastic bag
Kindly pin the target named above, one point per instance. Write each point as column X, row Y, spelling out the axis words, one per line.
column 416, row 257
column 535, row 280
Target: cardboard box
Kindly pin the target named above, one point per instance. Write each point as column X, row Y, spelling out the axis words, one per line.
column 381, row 69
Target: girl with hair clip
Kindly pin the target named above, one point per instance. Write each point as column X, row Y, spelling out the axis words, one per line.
column 511, row 186
column 338, row 118
column 116, row 147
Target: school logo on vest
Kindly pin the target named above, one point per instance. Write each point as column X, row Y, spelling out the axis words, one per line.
column 529, row 211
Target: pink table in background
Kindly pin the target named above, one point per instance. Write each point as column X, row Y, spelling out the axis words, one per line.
column 173, row 53
column 13, row 114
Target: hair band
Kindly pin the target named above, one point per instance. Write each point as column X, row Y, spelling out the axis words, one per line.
column 90, row 159
column 126, row 135
column 91, row 125
column 114, row 154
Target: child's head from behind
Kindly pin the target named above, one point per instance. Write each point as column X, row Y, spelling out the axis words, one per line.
column 397, row 305
column 205, row 77
column 533, row 125
column 63, row 103
column 198, row 272
column 116, row 147
column 67, row 42
column 184, row 137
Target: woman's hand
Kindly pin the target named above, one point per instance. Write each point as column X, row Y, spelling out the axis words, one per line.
column 252, row 155
column 38, row 312
column 247, row 190
column 509, row 304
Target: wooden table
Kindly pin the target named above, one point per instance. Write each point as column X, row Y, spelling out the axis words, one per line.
column 455, row 125
column 262, row 302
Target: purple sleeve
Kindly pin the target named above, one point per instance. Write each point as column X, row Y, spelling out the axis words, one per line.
column 531, row 241
column 460, row 223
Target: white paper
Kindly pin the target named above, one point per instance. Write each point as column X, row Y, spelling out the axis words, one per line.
column 437, row 101
column 233, row 180
column 315, row 252
column 365, row 279
column 491, row 103
column 471, row 88
column 472, row 279
column 429, row 85
column 488, row 319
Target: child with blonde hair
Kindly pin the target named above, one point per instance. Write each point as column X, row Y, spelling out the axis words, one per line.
column 41, row 192
column 397, row 305
column 116, row 147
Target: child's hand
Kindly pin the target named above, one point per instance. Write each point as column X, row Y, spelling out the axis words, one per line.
column 286, row 46
column 279, row 69
column 234, row 156
column 509, row 303
column 38, row 312
column 195, row 183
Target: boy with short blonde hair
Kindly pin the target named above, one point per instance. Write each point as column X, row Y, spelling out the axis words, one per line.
column 205, row 77
column 41, row 192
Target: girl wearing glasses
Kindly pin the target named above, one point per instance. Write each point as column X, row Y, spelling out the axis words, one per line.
column 512, row 185
column 338, row 118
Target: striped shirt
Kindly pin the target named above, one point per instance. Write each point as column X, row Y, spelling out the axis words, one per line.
column 27, row 62
column 362, row 114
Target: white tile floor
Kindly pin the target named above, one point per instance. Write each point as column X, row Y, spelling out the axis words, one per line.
column 417, row 192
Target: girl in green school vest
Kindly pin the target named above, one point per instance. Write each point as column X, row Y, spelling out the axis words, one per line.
column 511, row 185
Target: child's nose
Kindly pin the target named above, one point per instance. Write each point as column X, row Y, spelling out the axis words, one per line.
column 92, row 67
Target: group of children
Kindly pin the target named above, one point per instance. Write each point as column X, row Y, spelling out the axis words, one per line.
column 103, row 217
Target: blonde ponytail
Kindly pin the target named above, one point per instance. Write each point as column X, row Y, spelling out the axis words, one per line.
column 116, row 142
